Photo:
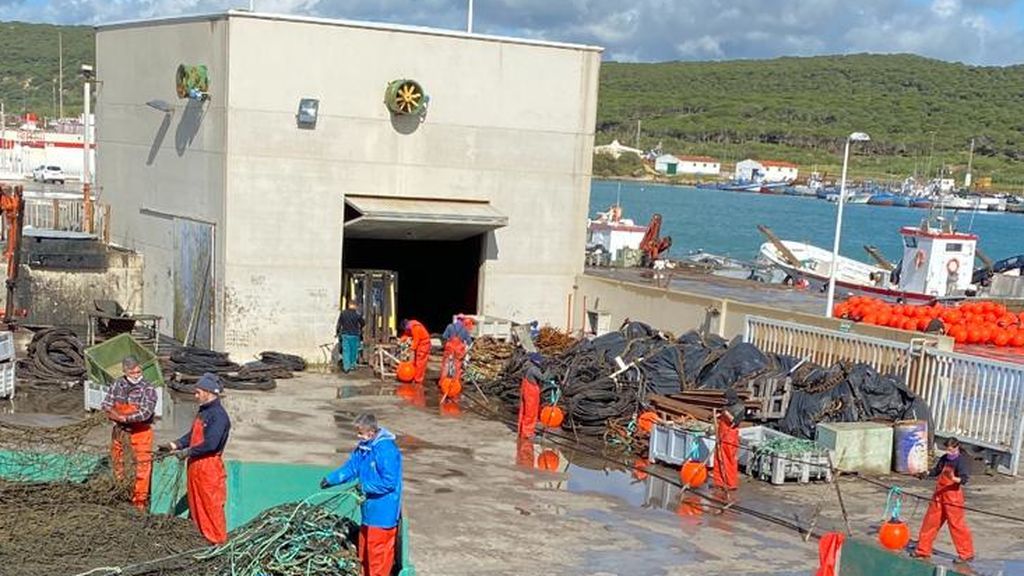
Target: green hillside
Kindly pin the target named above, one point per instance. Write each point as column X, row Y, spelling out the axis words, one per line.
column 30, row 62
column 801, row 109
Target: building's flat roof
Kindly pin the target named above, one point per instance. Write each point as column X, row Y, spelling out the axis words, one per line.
column 343, row 23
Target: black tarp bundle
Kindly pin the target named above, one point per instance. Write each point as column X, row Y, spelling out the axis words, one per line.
column 595, row 390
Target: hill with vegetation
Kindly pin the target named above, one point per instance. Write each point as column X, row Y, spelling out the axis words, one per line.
column 921, row 114
column 30, row 66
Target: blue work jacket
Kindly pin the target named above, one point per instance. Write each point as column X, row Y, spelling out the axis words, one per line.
column 377, row 465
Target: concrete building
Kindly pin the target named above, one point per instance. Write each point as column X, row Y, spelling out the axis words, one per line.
column 766, row 171
column 246, row 213
column 699, row 165
column 666, row 164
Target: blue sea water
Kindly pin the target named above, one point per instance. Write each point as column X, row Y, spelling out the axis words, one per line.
column 725, row 223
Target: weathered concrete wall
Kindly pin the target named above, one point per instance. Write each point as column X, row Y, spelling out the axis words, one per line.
column 509, row 122
column 155, row 168
column 65, row 297
column 679, row 312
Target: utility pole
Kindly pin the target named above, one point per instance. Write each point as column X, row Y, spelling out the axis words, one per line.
column 469, row 18
column 53, row 97
column 638, row 135
column 60, row 76
column 970, row 164
column 86, row 193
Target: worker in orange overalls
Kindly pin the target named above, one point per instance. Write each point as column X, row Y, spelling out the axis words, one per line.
column 726, row 474
column 415, row 330
column 529, row 397
column 130, row 404
column 947, row 505
column 203, row 446
column 457, row 340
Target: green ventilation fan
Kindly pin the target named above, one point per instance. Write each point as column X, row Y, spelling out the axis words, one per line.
column 405, row 97
column 192, row 82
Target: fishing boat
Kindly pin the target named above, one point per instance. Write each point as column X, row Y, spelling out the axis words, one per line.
column 937, row 263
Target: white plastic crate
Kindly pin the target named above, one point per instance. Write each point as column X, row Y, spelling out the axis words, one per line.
column 775, row 468
column 7, row 378
column 6, row 346
column 94, row 395
column 671, row 444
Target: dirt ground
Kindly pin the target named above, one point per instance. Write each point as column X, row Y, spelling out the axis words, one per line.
column 474, row 507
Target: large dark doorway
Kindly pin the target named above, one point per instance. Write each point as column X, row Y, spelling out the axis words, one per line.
column 436, row 279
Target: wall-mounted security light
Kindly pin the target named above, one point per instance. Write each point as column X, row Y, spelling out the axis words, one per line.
column 308, row 111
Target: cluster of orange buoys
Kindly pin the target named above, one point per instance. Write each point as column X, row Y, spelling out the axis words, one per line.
column 976, row 322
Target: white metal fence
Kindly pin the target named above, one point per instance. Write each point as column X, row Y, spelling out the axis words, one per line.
column 826, row 347
column 979, row 401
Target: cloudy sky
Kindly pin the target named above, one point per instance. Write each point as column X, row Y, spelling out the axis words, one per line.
column 972, row 31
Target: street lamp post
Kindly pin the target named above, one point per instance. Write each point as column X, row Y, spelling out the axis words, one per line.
column 855, row 137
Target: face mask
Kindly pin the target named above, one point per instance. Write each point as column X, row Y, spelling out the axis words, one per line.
column 952, row 457
column 135, row 379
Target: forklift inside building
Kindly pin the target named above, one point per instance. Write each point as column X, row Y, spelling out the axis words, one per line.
column 414, row 258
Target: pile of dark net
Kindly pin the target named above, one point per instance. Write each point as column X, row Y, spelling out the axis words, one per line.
column 599, row 396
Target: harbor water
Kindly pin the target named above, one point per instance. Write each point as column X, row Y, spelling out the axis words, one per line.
column 725, row 223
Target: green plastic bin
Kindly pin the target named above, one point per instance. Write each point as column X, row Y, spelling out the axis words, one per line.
column 255, row 486
column 103, row 361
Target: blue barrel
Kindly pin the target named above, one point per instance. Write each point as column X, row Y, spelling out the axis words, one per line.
column 910, row 442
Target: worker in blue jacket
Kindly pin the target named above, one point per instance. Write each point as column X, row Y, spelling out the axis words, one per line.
column 376, row 464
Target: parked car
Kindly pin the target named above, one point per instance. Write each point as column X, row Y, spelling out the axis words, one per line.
column 46, row 173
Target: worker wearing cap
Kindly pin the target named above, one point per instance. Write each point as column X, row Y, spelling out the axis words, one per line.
column 130, row 404
column 529, row 396
column 376, row 464
column 456, row 339
column 947, row 505
column 726, row 474
column 203, row 446
column 415, row 330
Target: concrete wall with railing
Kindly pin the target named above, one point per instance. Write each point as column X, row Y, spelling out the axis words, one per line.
column 678, row 312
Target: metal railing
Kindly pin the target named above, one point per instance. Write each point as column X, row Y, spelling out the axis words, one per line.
column 826, row 347
column 979, row 401
column 63, row 214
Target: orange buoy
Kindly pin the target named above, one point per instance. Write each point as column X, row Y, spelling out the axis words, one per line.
column 693, row 473
column 551, row 416
column 640, row 469
column 405, row 372
column 450, row 387
column 646, row 421
column 894, row 535
column 548, row 460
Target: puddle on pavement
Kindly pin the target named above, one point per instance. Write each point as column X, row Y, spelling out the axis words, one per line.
column 48, row 400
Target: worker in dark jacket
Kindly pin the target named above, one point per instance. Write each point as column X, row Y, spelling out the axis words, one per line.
column 947, row 505
column 376, row 464
column 726, row 474
column 529, row 397
column 417, row 332
column 349, row 330
column 203, row 446
column 131, row 404
column 456, row 339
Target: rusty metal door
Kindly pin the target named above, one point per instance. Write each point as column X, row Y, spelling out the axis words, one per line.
column 193, row 282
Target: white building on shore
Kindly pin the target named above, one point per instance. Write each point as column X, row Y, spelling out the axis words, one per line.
column 700, row 165
column 617, row 149
column 766, row 171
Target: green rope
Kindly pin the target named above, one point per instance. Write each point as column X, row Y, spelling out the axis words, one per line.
column 893, row 504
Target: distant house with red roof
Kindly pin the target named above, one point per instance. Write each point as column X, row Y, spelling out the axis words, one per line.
column 766, row 171
column 699, row 165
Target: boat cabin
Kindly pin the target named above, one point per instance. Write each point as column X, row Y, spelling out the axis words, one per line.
column 937, row 260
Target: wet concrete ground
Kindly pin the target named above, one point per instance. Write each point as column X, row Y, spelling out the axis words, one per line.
column 478, row 503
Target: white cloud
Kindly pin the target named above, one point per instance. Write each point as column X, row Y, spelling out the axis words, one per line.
column 975, row 31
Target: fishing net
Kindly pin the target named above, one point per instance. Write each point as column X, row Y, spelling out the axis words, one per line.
column 63, row 511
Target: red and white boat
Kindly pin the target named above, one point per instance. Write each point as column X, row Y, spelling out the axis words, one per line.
column 937, row 263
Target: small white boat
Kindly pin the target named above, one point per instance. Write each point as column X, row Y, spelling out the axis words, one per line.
column 937, row 262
